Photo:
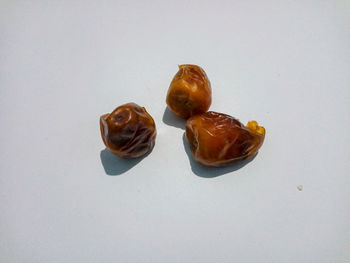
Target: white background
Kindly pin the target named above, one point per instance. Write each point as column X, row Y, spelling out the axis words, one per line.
column 63, row 198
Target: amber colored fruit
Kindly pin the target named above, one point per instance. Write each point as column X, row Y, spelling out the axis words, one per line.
column 217, row 139
column 189, row 92
column 129, row 131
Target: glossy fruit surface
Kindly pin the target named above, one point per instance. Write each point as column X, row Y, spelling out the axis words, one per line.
column 189, row 92
column 217, row 139
column 129, row 131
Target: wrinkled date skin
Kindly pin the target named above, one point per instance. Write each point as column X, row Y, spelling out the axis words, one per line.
column 217, row 139
column 189, row 92
column 129, row 131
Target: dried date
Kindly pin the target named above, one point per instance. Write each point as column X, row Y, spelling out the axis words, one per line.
column 129, row 131
column 189, row 92
column 217, row 139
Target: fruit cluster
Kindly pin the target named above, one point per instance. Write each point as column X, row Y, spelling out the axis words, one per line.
column 216, row 139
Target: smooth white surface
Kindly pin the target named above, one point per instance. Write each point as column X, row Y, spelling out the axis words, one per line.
column 64, row 63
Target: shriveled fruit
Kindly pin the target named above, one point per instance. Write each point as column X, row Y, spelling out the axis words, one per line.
column 189, row 92
column 217, row 139
column 129, row 131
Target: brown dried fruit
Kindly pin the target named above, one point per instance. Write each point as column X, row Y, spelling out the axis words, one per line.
column 217, row 139
column 189, row 92
column 129, row 131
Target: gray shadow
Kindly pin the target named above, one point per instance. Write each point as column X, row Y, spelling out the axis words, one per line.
column 171, row 119
column 211, row 172
column 114, row 165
